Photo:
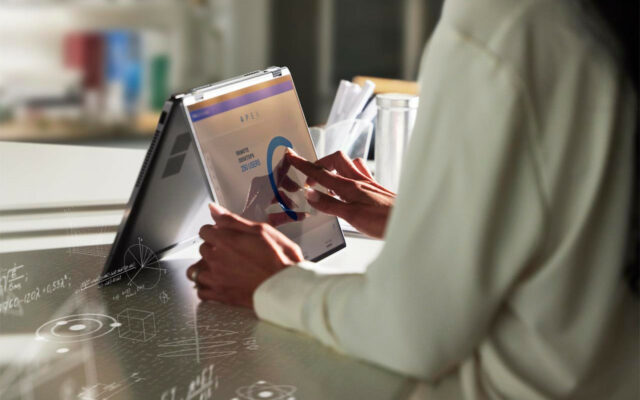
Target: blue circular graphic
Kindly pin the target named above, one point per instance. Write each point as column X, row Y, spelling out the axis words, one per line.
column 273, row 145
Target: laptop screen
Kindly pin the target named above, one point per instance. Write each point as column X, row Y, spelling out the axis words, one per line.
column 242, row 136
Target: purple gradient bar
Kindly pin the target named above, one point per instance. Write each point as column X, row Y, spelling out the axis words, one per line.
column 240, row 101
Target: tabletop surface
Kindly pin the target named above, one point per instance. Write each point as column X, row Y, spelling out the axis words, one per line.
column 64, row 335
column 68, row 332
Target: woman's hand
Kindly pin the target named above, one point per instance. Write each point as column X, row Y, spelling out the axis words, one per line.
column 361, row 201
column 237, row 256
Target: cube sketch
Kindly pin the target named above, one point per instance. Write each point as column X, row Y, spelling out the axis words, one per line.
column 138, row 325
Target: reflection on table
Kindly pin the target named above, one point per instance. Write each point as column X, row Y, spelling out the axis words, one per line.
column 69, row 332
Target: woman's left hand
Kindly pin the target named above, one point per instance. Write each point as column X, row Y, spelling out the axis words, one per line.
column 237, row 256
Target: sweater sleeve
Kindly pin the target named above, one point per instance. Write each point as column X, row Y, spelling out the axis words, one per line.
column 465, row 227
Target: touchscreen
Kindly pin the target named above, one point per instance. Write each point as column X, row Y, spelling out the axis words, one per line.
column 243, row 136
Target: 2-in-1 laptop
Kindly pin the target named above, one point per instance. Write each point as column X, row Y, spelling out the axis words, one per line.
column 225, row 143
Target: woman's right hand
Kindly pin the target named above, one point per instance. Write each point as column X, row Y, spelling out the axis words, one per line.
column 361, row 201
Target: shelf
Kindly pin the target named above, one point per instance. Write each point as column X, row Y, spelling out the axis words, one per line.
column 85, row 15
column 144, row 125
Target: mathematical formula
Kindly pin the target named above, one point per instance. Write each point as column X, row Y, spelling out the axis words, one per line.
column 15, row 293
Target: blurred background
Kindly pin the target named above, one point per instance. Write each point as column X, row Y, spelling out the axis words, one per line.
column 97, row 71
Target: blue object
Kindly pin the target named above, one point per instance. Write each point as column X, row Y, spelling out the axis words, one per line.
column 124, row 64
column 117, row 43
column 273, row 145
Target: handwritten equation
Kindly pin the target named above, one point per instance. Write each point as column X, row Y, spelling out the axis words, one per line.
column 12, row 279
column 15, row 291
column 200, row 388
column 106, row 279
column 250, row 343
column 103, row 391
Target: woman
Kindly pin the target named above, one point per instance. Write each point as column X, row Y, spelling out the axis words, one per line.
column 501, row 274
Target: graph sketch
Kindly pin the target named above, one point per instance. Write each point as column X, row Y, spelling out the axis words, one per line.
column 200, row 388
column 203, row 346
column 146, row 272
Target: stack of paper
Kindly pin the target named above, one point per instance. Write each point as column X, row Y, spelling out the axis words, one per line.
column 350, row 102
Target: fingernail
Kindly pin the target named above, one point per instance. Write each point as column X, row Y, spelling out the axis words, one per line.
column 216, row 209
column 312, row 195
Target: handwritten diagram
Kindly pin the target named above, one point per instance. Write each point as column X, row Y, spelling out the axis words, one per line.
column 164, row 297
column 201, row 347
column 76, row 328
column 146, row 272
column 200, row 388
column 263, row 390
column 136, row 325
column 141, row 271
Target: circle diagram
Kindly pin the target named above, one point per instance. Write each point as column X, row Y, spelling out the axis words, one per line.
column 76, row 328
column 145, row 273
column 265, row 390
column 273, row 145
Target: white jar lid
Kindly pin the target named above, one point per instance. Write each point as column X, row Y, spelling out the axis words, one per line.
column 393, row 100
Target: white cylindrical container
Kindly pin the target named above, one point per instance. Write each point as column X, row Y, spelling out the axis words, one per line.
column 396, row 117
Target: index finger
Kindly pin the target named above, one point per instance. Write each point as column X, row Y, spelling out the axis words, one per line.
column 282, row 168
column 342, row 164
column 342, row 186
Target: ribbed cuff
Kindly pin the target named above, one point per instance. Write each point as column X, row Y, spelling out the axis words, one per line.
column 281, row 298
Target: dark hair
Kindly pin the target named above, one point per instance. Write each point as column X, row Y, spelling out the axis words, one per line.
column 622, row 18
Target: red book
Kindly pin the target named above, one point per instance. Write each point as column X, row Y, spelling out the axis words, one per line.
column 84, row 51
